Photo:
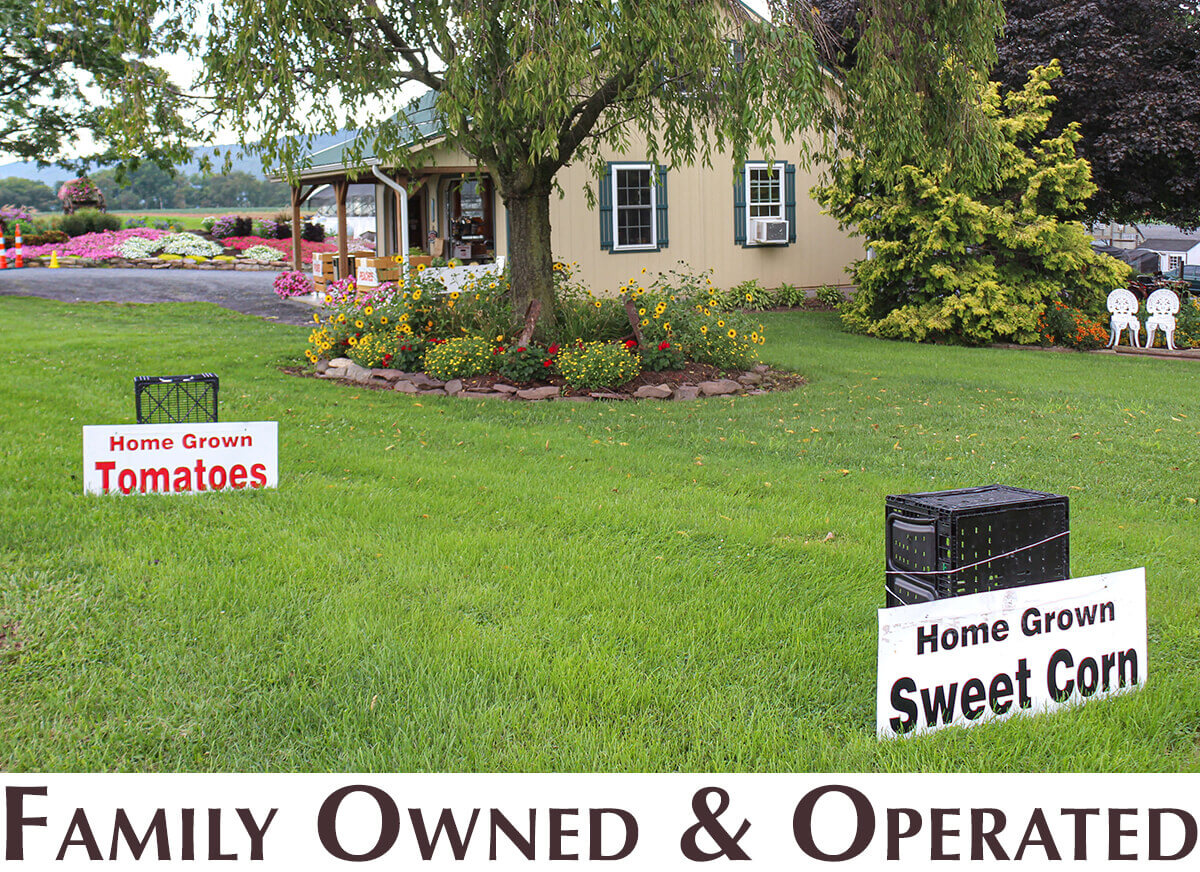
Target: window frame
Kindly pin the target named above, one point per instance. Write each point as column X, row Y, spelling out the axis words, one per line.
column 651, row 170
column 778, row 170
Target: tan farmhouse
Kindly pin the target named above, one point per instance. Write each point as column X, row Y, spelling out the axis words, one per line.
column 755, row 222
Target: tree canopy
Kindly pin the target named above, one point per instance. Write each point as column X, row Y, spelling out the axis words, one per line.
column 1131, row 79
column 527, row 86
column 76, row 75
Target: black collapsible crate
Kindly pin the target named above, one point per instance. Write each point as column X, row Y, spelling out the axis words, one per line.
column 176, row 399
column 940, row 544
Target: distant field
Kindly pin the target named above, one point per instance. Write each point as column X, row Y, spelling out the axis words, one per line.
column 189, row 218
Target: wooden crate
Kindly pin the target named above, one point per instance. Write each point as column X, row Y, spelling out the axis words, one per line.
column 371, row 272
column 324, row 269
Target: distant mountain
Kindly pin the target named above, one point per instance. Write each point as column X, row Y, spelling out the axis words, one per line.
column 55, row 176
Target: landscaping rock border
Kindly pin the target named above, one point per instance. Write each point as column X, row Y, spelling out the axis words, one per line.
column 684, row 385
column 154, row 263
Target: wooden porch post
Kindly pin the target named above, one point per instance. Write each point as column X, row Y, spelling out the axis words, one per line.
column 297, row 263
column 340, row 188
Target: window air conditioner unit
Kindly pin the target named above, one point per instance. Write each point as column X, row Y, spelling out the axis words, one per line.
column 769, row 231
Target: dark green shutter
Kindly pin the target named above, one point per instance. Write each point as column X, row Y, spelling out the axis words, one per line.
column 660, row 201
column 739, row 209
column 606, row 210
column 789, row 202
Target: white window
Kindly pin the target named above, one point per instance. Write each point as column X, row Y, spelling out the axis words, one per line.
column 1174, row 263
column 633, row 207
column 764, row 191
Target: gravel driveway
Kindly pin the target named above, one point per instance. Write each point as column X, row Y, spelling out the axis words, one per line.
column 247, row 292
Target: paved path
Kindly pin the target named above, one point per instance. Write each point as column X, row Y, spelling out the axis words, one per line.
column 248, row 292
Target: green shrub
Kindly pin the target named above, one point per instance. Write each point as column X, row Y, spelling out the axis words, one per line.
column 595, row 365
column 88, row 221
column 460, row 358
column 408, row 355
column 1063, row 324
column 47, row 238
column 830, row 296
column 790, row 296
column 663, row 356
column 749, row 295
column 524, row 363
column 580, row 314
column 975, row 261
column 1187, row 323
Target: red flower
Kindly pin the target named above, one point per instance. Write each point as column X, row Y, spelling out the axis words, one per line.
column 548, row 363
column 498, row 350
column 631, row 343
column 553, row 349
column 520, row 348
column 664, row 345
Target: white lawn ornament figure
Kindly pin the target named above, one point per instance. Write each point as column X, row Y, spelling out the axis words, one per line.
column 1162, row 307
column 1123, row 306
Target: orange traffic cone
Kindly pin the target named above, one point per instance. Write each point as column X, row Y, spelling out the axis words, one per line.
column 19, row 261
column 3, row 253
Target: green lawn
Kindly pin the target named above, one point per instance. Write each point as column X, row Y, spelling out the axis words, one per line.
column 443, row 584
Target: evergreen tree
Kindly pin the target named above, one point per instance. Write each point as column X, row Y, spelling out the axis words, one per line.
column 975, row 261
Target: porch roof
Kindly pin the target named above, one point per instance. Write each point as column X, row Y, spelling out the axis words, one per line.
column 422, row 126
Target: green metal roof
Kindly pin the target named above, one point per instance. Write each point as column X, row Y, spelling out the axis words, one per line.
column 419, row 124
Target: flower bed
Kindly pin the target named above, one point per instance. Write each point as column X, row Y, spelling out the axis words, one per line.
column 638, row 343
column 95, row 246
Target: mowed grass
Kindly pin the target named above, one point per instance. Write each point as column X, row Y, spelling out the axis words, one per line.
column 443, row 584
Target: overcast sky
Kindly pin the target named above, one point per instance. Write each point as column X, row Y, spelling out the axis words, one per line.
column 183, row 71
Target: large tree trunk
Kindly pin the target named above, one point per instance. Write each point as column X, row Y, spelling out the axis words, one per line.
column 532, row 263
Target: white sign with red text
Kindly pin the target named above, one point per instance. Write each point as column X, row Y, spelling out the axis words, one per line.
column 987, row 656
column 180, row 458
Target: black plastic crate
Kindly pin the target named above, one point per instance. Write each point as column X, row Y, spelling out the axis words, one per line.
column 950, row 543
column 176, row 399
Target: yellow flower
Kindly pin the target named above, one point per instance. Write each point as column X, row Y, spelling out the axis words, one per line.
column 316, row 318
column 754, row 337
column 720, row 323
column 500, row 338
column 732, row 333
column 749, row 298
column 491, row 284
column 597, row 304
column 352, row 340
column 454, row 295
column 641, row 311
column 645, row 321
column 383, row 319
column 416, row 296
column 420, row 267
column 328, row 299
column 342, row 318
column 368, row 310
column 358, row 323
column 704, row 328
